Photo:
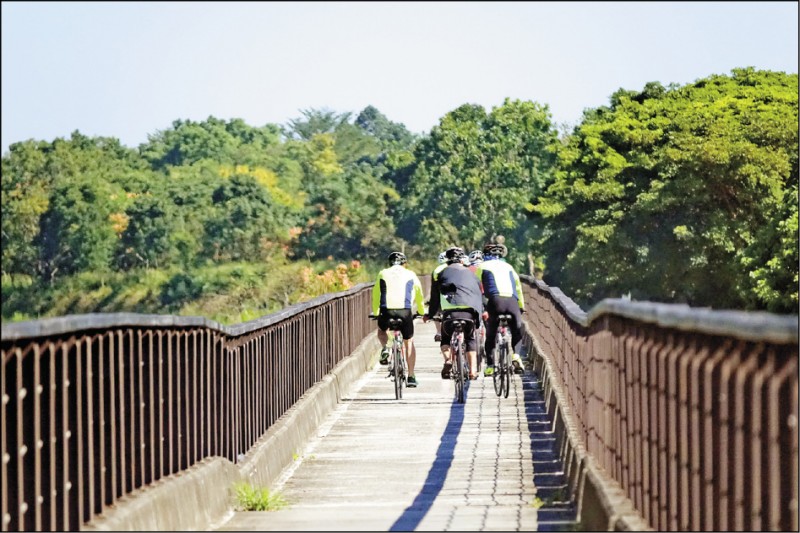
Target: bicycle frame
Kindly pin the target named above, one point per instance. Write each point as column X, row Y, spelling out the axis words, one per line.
column 399, row 369
column 398, row 354
column 459, row 357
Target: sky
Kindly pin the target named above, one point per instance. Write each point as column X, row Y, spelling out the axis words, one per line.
column 129, row 69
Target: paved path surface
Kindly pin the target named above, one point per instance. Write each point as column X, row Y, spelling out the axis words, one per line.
column 426, row 462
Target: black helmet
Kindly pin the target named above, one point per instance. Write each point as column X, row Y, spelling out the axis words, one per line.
column 397, row 258
column 454, row 255
column 494, row 249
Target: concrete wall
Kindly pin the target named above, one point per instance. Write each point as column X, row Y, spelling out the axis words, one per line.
column 201, row 497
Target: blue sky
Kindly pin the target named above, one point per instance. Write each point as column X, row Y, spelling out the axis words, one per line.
column 129, row 69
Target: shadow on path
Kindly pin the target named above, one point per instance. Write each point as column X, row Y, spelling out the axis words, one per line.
column 414, row 513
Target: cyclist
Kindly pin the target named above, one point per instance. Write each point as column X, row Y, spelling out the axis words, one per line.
column 504, row 295
column 458, row 295
column 434, row 278
column 395, row 294
column 475, row 259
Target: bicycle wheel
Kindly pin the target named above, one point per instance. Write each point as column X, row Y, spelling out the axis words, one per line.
column 497, row 377
column 397, row 357
column 506, row 369
column 458, row 355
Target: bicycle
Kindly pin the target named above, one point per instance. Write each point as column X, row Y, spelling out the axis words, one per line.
column 502, row 362
column 459, row 370
column 398, row 368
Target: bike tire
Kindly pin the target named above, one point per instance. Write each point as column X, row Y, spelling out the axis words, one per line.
column 459, row 381
column 507, row 368
column 507, row 373
column 497, row 376
column 398, row 372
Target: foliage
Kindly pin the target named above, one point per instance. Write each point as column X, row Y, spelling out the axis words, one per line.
column 684, row 194
column 188, row 142
column 78, row 231
column 476, row 173
column 391, row 134
column 681, row 194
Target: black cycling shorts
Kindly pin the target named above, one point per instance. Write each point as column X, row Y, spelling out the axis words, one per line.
column 408, row 321
column 469, row 331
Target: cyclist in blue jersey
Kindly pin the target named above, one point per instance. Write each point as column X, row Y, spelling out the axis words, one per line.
column 398, row 293
column 503, row 291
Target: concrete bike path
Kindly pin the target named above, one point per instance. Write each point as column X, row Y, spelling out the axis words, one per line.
column 426, row 462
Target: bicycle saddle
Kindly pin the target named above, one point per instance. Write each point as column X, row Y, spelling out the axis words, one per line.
column 395, row 323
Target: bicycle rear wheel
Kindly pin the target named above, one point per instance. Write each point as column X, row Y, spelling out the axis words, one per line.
column 499, row 361
column 397, row 360
column 459, row 366
column 506, row 371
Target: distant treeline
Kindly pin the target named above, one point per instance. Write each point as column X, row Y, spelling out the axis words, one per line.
column 670, row 194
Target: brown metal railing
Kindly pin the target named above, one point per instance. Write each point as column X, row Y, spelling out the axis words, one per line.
column 692, row 412
column 96, row 406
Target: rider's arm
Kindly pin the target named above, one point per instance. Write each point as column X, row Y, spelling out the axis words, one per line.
column 419, row 297
column 434, row 304
column 520, row 297
column 376, row 295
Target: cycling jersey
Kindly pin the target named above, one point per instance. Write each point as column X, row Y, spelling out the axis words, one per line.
column 500, row 279
column 456, row 288
column 397, row 288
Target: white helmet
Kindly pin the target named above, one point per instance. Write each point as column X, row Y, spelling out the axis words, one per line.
column 442, row 258
column 475, row 256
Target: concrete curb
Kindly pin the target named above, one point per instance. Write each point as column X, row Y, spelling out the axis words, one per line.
column 201, row 497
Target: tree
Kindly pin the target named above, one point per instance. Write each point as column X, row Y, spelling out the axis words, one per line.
column 77, row 231
column 33, row 169
column 475, row 174
column 314, row 122
column 391, row 134
column 663, row 193
column 245, row 221
column 188, row 142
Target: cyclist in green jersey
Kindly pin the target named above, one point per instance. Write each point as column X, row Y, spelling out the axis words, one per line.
column 398, row 293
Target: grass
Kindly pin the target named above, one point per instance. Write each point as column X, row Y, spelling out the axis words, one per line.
column 250, row 498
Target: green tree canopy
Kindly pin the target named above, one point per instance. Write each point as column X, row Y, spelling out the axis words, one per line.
column 667, row 194
column 232, row 142
column 476, row 173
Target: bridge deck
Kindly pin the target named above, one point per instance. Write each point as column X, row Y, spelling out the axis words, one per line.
column 424, row 462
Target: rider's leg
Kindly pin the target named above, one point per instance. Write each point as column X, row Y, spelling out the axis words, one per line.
column 516, row 335
column 472, row 353
column 473, row 364
column 411, row 355
column 491, row 334
column 447, row 353
column 383, row 337
column 448, row 358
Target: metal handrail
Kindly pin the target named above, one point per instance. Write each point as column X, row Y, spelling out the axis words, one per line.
column 692, row 412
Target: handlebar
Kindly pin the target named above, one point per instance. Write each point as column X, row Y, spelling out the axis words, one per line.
column 374, row 317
